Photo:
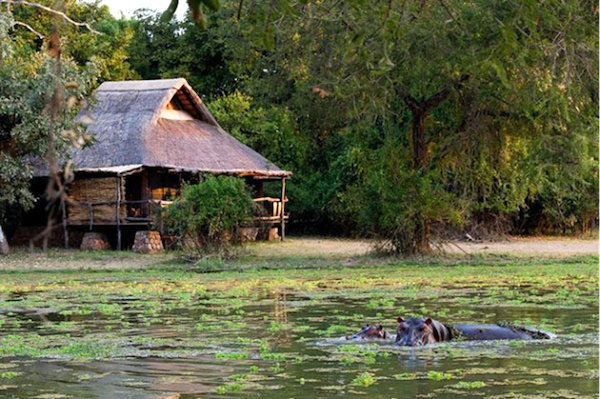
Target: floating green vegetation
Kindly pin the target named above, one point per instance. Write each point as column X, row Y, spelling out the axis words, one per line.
column 277, row 331
column 237, row 356
column 364, row 379
column 280, row 357
column 239, row 377
column 88, row 349
column 227, row 388
column 335, row 330
column 381, row 303
column 278, row 326
column 108, row 308
column 469, row 384
column 438, row 376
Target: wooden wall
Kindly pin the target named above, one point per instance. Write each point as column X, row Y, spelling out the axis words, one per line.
column 100, row 191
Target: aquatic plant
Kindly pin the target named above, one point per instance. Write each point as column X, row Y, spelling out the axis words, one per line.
column 470, row 384
column 364, row 379
column 438, row 376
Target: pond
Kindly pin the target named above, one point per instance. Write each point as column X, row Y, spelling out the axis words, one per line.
column 180, row 334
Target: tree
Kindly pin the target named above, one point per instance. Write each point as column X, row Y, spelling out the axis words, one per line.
column 27, row 124
column 470, row 90
column 105, row 44
column 174, row 49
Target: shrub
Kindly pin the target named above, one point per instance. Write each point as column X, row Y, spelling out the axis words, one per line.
column 395, row 204
column 207, row 216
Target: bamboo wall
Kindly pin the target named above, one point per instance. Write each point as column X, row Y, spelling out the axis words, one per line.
column 101, row 191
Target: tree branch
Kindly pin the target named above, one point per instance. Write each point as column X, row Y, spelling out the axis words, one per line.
column 52, row 11
column 440, row 96
column 38, row 34
column 239, row 12
column 412, row 103
column 451, row 14
column 423, row 6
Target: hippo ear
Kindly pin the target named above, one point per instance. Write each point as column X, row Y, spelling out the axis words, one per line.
column 428, row 321
column 400, row 319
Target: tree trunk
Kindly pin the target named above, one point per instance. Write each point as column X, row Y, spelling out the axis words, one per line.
column 3, row 243
column 419, row 148
column 420, row 110
column 418, row 140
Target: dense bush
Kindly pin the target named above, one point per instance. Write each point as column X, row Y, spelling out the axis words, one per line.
column 395, row 204
column 207, row 217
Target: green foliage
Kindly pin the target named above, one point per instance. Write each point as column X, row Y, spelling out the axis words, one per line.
column 26, row 85
column 108, row 50
column 174, row 49
column 508, row 117
column 269, row 130
column 208, row 215
column 389, row 199
column 328, row 90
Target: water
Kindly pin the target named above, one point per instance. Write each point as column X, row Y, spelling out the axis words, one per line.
column 163, row 339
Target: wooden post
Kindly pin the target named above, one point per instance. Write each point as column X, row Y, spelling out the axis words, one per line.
column 118, row 213
column 282, row 208
column 145, row 194
column 65, row 223
column 91, row 211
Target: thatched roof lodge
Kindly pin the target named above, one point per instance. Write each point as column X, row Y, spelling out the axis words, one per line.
column 150, row 137
column 163, row 124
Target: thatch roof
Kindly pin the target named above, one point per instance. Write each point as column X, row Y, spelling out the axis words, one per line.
column 133, row 124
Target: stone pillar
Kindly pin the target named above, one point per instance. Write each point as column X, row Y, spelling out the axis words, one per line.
column 272, row 234
column 147, row 242
column 3, row 243
column 94, row 242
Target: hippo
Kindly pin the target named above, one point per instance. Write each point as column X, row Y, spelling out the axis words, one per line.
column 369, row 332
column 418, row 331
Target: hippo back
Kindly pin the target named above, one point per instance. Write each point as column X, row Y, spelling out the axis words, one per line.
column 488, row 332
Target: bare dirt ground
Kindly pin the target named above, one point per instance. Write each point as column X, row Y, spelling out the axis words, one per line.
column 516, row 246
column 529, row 246
column 292, row 248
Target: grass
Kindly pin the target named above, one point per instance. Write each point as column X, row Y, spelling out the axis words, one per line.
column 294, row 253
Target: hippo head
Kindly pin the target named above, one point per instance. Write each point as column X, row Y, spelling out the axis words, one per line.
column 417, row 331
column 370, row 332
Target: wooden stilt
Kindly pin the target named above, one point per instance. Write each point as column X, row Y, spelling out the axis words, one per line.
column 91, row 212
column 282, row 208
column 118, row 213
column 65, row 224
